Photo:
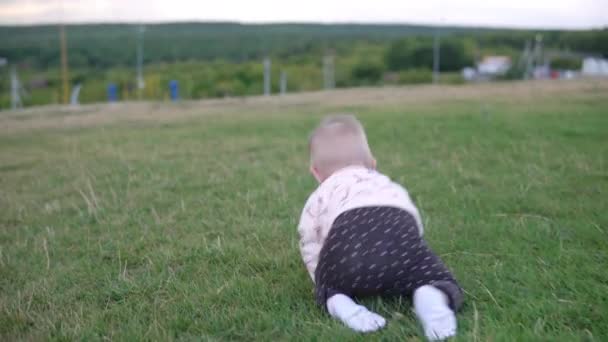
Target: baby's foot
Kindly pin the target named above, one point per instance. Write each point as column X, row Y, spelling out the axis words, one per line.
column 356, row 317
column 441, row 327
column 365, row 321
column 431, row 306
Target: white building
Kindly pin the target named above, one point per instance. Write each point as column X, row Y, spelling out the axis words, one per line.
column 595, row 67
column 494, row 65
column 469, row 73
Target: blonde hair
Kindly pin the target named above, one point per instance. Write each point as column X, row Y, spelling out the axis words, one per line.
column 339, row 141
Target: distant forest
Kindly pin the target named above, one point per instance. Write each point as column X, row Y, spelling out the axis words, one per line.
column 224, row 59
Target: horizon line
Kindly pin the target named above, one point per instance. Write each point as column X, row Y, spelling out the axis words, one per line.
column 327, row 23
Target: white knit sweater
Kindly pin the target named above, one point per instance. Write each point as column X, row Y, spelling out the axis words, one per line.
column 349, row 188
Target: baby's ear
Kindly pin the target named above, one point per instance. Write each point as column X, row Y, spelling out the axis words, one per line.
column 315, row 174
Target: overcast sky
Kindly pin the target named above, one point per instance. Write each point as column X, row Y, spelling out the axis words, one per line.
column 503, row 13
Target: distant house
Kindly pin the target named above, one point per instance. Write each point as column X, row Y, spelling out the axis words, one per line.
column 469, row 74
column 494, row 65
column 595, row 67
column 541, row 72
column 38, row 83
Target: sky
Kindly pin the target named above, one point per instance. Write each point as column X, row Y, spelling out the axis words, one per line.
column 566, row 14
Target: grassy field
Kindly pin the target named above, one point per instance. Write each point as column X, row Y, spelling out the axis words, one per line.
column 162, row 222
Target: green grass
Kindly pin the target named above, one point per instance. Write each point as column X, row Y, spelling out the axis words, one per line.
column 187, row 230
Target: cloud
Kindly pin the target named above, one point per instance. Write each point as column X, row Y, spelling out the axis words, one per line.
column 514, row 13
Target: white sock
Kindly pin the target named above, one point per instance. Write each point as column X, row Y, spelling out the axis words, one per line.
column 431, row 307
column 353, row 315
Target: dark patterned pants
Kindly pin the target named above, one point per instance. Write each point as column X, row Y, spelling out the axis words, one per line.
column 379, row 251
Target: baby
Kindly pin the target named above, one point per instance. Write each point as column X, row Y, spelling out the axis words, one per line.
column 361, row 235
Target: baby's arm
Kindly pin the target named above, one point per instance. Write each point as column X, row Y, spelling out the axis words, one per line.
column 310, row 246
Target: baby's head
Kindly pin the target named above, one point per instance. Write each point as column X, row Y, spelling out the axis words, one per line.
column 339, row 141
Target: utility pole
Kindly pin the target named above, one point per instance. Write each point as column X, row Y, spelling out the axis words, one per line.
column 436, row 56
column 64, row 64
column 140, row 57
column 328, row 72
column 15, row 90
column 533, row 56
column 267, row 76
column 283, row 83
column 75, row 95
column 538, row 51
column 526, row 61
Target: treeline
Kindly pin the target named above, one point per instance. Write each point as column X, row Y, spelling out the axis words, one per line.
column 224, row 59
column 111, row 45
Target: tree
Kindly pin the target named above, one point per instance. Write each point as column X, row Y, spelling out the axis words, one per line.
column 367, row 72
column 418, row 53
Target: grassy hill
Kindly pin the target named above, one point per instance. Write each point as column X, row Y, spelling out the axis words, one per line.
column 178, row 221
